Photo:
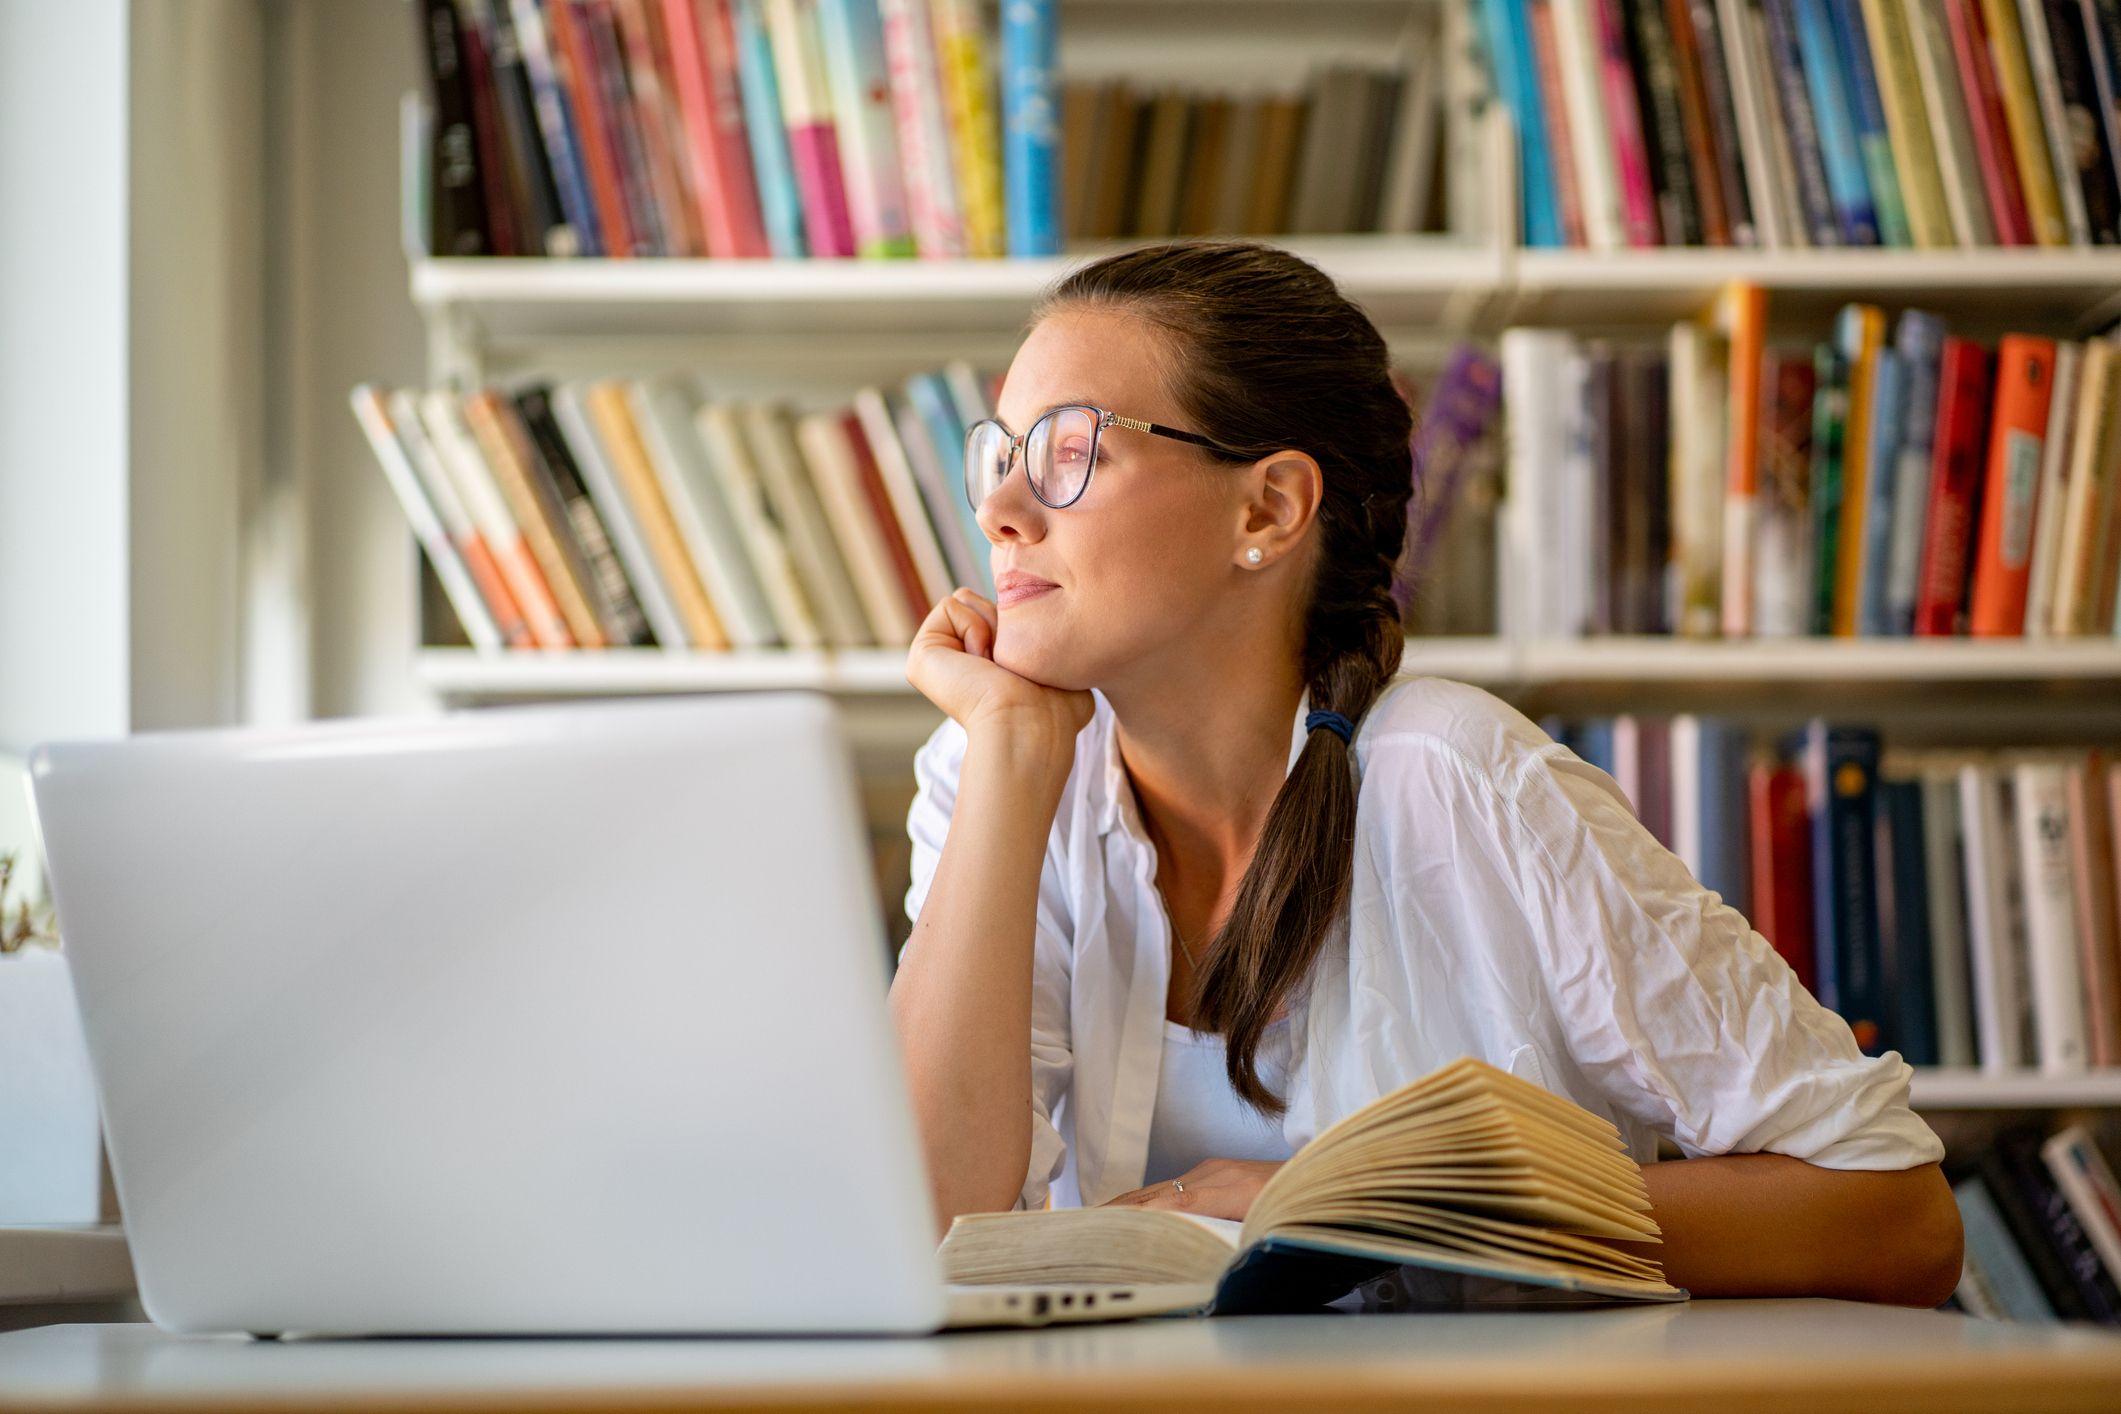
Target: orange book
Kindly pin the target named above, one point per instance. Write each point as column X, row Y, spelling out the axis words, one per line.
column 1741, row 317
column 574, row 62
column 2025, row 377
column 1858, row 333
column 507, row 450
column 443, row 413
column 606, row 404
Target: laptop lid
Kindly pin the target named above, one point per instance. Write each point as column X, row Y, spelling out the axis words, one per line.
column 525, row 1020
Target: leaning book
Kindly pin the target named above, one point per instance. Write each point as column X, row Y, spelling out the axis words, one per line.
column 1467, row 1187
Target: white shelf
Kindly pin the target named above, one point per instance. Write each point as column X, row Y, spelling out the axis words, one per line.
column 1907, row 664
column 1966, row 1088
column 1403, row 281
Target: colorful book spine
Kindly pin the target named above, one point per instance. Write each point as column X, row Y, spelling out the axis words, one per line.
column 1867, row 108
column 1913, row 151
column 1957, row 457
column 1906, row 980
column 556, row 122
column 975, row 142
column 1031, row 126
column 853, row 42
column 1741, row 317
column 1631, row 144
column 1553, row 109
column 1919, row 341
column 1824, row 74
column 1991, row 128
column 780, row 204
column 703, row 53
column 923, row 131
column 1508, row 37
column 1859, row 331
column 1786, row 64
column 813, row 142
column 2043, row 62
column 1881, row 462
column 574, row 65
column 1841, row 769
column 1830, row 404
column 2018, row 431
column 2021, row 112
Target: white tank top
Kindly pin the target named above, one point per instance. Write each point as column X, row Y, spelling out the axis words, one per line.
column 1198, row 1116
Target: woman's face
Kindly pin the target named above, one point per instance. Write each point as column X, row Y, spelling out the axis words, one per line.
column 1144, row 558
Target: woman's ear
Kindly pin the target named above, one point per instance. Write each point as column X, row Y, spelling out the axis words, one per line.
column 1285, row 489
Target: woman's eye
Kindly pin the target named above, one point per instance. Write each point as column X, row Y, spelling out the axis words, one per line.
column 1072, row 451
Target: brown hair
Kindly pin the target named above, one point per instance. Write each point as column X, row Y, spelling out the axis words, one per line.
column 1267, row 354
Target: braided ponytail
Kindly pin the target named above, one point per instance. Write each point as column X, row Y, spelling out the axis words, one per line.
column 1273, row 356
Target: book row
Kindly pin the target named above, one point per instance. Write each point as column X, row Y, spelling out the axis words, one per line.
column 1790, row 123
column 628, row 512
column 1958, row 907
column 738, row 128
column 2042, row 1216
column 1890, row 480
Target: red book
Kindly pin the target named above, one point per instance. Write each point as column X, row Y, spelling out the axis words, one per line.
column 1555, row 113
column 703, row 57
column 1957, row 455
column 1779, row 836
column 575, row 60
column 494, row 166
column 1984, row 111
column 2025, row 383
column 1631, row 151
column 879, row 499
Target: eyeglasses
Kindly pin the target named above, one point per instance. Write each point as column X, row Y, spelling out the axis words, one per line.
column 1060, row 451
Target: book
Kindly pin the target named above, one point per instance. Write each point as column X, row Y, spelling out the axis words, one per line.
column 610, row 410
column 794, row 498
column 1780, row 838
column 2017, row 1292
column 1958, row 455
column 1951, row 984
column 2091, row 846
column 1907, row 123
column 780, row 202
column 2084, row 1177
column 500, row 439
column 1468, row 1172
column 1841, row 769
column 2018, row 430
column 1859, row 333
column 442, row 415
column 1919, row 341
column 1995, row 920
column 2040, row 791
column 1989, row 123
column 2042, row 64
column 2055, row 467
column 1945, row 103
column 630, row 539
column 451, row 567
column 764, row 539
column 851, row 34
column 1030, row 33
column 1906, row 969
column 606, row 577
column 2021, row 113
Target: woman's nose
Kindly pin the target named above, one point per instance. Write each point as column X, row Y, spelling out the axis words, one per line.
column 1011, row 510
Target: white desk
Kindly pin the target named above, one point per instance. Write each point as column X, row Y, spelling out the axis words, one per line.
column 1729, row 1355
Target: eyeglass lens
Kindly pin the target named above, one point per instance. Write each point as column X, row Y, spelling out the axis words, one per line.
column 1058, row 456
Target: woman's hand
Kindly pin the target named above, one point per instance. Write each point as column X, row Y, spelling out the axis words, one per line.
column 952, row 664
column 1214, row 1188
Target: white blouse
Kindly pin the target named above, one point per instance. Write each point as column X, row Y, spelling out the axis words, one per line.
column 1505, row 904
column 1199, row 1115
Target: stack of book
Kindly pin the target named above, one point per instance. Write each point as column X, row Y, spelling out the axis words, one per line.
column 2042, row 1216
column 1956, row 906
column 631, row 512
column 736, row 128
column 1882, row 482
column 1790, row 123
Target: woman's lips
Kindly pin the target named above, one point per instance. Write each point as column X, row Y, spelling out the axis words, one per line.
column 1018, row 593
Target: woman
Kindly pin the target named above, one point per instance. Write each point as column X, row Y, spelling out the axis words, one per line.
column 1194, row 875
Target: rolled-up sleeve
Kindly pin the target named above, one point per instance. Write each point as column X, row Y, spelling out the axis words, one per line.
column 1672, row 1005
column 935, row 768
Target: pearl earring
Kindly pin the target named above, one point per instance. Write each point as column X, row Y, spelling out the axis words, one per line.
column 1254, row 555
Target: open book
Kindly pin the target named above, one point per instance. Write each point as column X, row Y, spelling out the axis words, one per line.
column 1462, row 1187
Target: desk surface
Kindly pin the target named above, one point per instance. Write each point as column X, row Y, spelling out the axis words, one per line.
column 1745, row 1355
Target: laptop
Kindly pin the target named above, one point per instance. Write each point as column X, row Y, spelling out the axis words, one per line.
column 531, row 1020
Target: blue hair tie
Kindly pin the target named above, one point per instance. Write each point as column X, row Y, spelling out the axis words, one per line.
column 1332, row 722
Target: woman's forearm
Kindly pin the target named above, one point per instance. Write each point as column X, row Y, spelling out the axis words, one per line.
column 962, row 998
column 1770, row 1225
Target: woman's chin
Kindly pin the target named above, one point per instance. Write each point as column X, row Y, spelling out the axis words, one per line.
column 1025, row 652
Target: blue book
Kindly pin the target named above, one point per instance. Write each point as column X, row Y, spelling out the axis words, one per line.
column 1904, row 924
column 1840, row 774
column 1888, row 420
column 780, row 204
column 1724, row 809
column 1509, row 40
column 1825, row 78
column 1919, row 341
column 1993, row 1252
column 1786, row 58
column 1594, row 743
column 556, row 126
column 1868, row 109
column 1031, row 127
column 929, row 395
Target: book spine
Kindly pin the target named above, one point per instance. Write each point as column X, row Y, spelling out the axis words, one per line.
column 556, row 120
column 1886, row 420
column 1951, row 130
column 1742, row 317
column 464, row 528
column 1950, row 980
column 2041, row 791
column 1782, row 597
column 1597, row 166
column 644, row 62
column 480, row 625
column 2021, row 112
column 889, row 525
column 2088, row 161
column 1650, row 60
column 1770, row 178
column 1907, row 126
column 1849, row 882
column 2041, row 63
column 624, row 522
column 1991, row 127
column 852, row 38
column 574, row 67
column 531, row 504
column 2024, row 384
column 1624, row 115
column 923, row 135
column 813, row 143
column 2081, row 1172
column 548, row 230
column 2058, row 1223
column 1781, row 865
column 2018, row 1291
column 1786, row 61
column 1829, row 430
column 1030, row 125
column 1956, row 464
column 1726, row 139
column 703, row 55
column 1553, row 109
column 2102, row 31
column 780, row 204
column 968, row 94
column 444, row 420
column 1699, row 138
column 2091, row 840
column 2078, row 368
column 619, row 607
column 1906, row 977
column 1867, row 108
column 609, row 407
column 457, row 208
column 1824, row 78
column 1859, row 330
column 615, row 87
column 1919, row 339
column 497, row 175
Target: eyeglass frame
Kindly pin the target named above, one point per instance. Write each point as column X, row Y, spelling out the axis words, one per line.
column 1105, row 418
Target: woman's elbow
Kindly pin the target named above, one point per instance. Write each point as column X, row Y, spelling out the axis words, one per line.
column 1930, row 1252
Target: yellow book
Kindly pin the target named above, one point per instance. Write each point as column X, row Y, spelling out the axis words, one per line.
column 608, row 410
column 2021, row 114
column 1858, row 333
column 1907, row 127
column 975, row 143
